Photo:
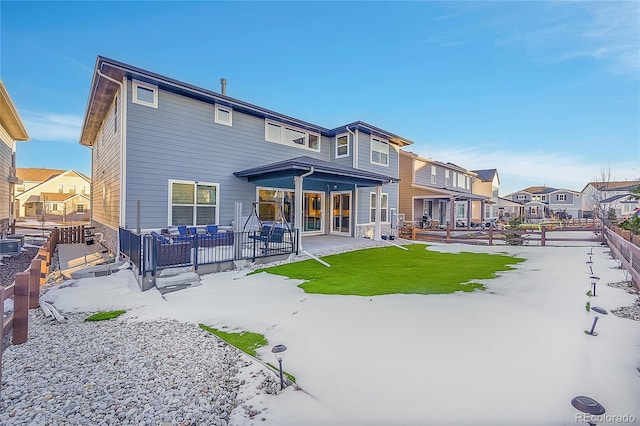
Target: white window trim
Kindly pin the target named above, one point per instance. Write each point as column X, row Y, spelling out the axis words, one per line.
column 382, row 195
column 297, row 129
column 384, row 141
column 195, row 200
column 434, row 173
column 561, row 197
column 218, row 120
column 348, row 147
column 134, row 97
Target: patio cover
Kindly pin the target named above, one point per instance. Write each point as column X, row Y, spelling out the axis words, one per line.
column 322, row 170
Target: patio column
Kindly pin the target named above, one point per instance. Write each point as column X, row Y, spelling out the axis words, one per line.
column 298, row 181
column 377, row 229
column 298, row 208
column 469, row 212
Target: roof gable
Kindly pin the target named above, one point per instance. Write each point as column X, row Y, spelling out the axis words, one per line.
column 35, row 174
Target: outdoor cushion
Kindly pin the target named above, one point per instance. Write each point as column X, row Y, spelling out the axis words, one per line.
column 173, row 231
column 192, row 230
column 212, row 229
column 183, row 230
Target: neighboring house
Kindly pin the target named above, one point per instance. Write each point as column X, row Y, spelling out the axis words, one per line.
column 34, row 176
column 33, row 197
column 613, row 195
column 509, row 209
column 437, row 194
column 11, row 130
column 487, row 184
column 165, row 152
column 543, row 202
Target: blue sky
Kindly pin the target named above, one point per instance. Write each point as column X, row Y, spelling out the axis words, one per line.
column 546, row 92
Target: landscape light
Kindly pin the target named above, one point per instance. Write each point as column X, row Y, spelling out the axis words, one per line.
column 278, row 352
column 594, row 281
column 588, row 406
column 595, row 320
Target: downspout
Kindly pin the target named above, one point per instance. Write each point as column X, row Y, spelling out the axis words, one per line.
column 298, row 180
column 122, row 179
column 353, row 161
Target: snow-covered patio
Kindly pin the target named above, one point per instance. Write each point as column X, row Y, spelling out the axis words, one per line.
column 513, row 354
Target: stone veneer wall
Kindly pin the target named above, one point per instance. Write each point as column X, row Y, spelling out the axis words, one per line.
column 110, row 236
column 366, row 231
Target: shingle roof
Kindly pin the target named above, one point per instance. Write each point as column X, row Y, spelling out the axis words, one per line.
column 625, row 185
column 539, row 190
column 486, row 175
column 321, row 170
column 37, row 174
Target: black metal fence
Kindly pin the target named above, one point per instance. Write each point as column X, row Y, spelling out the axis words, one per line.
column 131, row 247
column 152, row 253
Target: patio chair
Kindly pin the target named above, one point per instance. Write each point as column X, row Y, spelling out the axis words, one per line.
column 269, row 234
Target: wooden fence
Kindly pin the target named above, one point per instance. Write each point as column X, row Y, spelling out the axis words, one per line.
column 514, row 237
column 25, row 291
column 68, row 235
column 626, row 252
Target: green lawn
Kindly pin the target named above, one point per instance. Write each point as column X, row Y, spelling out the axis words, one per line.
column 246, row 341
column 389, row 270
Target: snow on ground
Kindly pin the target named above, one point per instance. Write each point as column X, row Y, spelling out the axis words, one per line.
column 513, row 354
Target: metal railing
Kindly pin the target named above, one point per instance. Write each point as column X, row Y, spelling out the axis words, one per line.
column 152, row 253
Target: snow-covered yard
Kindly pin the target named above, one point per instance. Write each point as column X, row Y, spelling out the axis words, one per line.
column 513, row 354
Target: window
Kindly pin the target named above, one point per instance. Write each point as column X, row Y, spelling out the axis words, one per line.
column 60, row 188
column 561, row 197
column 342, row 146
column 223, row 115
column 54, row 207
column 287, row 135
column 384, row 207
column 80, row 208
column 467, row 182
column 434, row 171
column 521, row 197
column 543, row 198
column 461, row 210
column 145, row 94
column 20, row 188
column 283, row 204
column 72, row 189
column 193, row 203
column 83, row 190
column 447, row 180
column 379, row 151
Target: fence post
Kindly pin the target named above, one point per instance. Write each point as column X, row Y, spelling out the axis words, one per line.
column 21, row 309
column 413, row 233
column 34, row 283
column 543, row 236
column 490, row 236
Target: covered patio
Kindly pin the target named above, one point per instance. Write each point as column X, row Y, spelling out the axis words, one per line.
column 447, row 209
column 320, row 197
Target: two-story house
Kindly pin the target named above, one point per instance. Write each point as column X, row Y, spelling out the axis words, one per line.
column 165, row 152
column 62, row 193
column 543, row 202
column 11, row 130
column 436, row 194
column 487, row 184
column 612, row 196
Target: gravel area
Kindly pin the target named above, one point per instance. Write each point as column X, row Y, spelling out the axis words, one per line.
column 633, row 311
column 123, row 372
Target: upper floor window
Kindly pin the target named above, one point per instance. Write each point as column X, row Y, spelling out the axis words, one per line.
column 379, row 151
column 521, row 197
column 434, row 171
column 60, row 188
column 72, row 189
column 223, row 115
column 279, row 133
column 447, row 179
column 342, row 146
column 543, row 198
column 561, row 197
column 80, row 208
column 145, row 94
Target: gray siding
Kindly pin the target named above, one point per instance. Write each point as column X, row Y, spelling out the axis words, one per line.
column 345, row 161
column 6, row 151
column 180, row 140
column 105, row 172
column 364, row 204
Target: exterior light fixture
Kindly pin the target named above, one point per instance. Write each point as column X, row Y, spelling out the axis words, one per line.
column 595, row 320
column 594, row 280
column 278, row 352
column 589, row 406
